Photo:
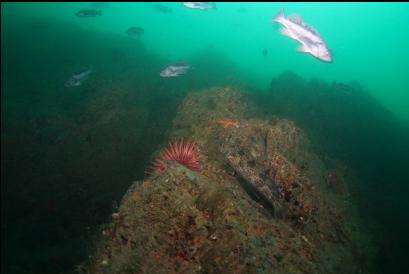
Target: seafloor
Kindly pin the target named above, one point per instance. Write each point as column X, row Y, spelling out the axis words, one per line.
column 262, row 202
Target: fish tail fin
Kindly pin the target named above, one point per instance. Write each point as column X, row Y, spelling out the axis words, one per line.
column 99, row 12
column 279, row 16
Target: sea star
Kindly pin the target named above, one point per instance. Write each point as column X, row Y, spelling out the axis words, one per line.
column 228, row 123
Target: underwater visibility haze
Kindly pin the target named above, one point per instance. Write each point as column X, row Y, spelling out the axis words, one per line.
column 197, row 137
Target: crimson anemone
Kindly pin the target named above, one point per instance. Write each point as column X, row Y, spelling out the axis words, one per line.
column 185, row 153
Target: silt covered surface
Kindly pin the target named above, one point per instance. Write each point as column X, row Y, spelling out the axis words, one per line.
column 262, row 202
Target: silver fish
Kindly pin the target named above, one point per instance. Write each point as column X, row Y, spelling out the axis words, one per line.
column 77, row 78
column 175, row 70
column 311, row 41
column 135, row 31
column 318, row 50
column 89, row 13
column 199, row 5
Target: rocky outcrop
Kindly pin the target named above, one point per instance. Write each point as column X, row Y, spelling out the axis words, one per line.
column 259, row 204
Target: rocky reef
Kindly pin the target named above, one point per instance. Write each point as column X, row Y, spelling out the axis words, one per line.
column 262, row 202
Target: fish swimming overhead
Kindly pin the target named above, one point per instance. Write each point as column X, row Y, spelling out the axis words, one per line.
column 199, row 5
column 135, row 31
column 318, row 50
column 89, row 13
column 311, row 42
column 77, row 78
column 175, row 70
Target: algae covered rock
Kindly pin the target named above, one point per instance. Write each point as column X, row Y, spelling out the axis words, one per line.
column 259, row 203
column 182, row 222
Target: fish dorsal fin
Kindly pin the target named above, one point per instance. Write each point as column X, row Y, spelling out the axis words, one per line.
column 296, row 19
column 311, row 29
